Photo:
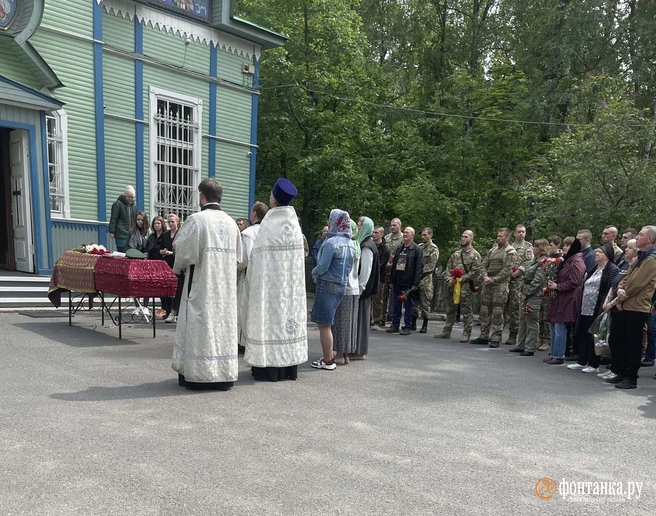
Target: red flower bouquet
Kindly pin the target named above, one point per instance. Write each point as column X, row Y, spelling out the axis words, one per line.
column 457, row 273
column 402, row 297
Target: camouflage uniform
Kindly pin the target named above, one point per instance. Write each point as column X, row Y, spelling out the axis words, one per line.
column 533, row 283
column 393, row 242
column 470, row 261
column 512, row 309
column 498, row 264
column 545, row 332
column 431, row 255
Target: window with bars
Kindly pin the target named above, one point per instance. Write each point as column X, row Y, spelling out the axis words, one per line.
column 57, row 163
column 176, row 128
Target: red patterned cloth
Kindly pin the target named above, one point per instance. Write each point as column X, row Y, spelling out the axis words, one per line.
column 135, row 278
column 73, row 271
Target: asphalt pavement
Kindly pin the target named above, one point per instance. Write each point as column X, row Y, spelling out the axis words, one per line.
column 96, row 426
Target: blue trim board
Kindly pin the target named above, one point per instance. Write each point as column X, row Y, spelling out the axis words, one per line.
column 211, row 172
column 30, row 91
column 139, row 112
column 34, row 187
column 46, row 186
column 254, row 109
column 100, row 119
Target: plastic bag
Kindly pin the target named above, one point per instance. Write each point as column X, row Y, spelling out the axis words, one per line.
column 599, row 330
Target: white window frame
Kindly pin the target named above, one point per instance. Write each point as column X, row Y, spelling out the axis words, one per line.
column 197, row 105
column 61, row 122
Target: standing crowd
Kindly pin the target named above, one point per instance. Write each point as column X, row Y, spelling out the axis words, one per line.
column 581, row 304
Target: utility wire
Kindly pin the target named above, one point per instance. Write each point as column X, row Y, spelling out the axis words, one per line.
column 426, row 112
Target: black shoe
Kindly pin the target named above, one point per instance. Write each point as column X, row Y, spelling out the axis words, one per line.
column 404, row 331
column 515, row 350
column 413, row 327
column 617, row 379
column 627, row 384
column 526, row 354
column 647, row 363
column 494, row 344
column 571, row 358
column 424, row 327
column 479, row 340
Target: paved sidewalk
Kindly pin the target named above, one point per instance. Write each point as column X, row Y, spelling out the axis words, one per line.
column 96, row 426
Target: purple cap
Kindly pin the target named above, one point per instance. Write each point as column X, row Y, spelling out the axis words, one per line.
column 284, row 191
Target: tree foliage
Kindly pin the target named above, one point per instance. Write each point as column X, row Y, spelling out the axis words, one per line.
column 461, row 113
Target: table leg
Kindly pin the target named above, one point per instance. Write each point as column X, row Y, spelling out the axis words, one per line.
column 70, row 309
column 120, row 332
column 102, row 307
column 154, row 317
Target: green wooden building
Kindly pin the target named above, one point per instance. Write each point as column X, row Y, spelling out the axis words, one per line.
column 96, row 95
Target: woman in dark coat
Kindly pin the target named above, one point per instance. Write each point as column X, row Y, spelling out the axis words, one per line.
column 595, row 290
column 564, row 308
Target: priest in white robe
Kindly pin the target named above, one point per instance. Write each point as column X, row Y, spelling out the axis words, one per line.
column 248, row 237
column 208, row 246
column 276, row 318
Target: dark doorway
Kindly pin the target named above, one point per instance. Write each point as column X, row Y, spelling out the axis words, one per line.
column 6, row 227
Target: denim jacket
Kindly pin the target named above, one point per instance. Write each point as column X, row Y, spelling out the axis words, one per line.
column 335, row 260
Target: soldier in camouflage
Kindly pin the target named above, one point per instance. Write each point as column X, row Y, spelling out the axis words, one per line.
column 498, row 264
column 431, row 254
column 393, row 241
column 524, row 258
column 469, row 261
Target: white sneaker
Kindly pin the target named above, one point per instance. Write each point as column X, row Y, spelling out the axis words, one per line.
column 171, row 319
column 605, row 374
column 590, row 370
column 320, row 364
column 576, row 366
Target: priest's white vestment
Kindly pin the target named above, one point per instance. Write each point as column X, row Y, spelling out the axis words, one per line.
column 248, row 237
column 208, row 245
column 276, row 317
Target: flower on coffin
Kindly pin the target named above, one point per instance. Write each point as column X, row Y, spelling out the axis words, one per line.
column 92, row 249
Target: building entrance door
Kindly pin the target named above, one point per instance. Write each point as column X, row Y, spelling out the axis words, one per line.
column 19, row 164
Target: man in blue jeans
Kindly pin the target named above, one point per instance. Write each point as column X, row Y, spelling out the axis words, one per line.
column 407, row 268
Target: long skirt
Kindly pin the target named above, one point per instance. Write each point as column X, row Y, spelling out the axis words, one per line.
column 363, row 326
column 345, row 328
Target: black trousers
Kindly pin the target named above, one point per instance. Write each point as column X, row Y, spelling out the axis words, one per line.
column 587, row 355
column 175, row 306
column 626, row 342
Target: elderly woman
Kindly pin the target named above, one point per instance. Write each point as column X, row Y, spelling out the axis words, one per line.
column 530, row 297
column 368, row 279
column 331, row 275
column 345, row 329
column 564, row 308
column 595, row 290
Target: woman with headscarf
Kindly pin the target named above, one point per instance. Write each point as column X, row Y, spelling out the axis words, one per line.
column 368, row 278
column 345, row 329
column 331, row 275
column 564, row 308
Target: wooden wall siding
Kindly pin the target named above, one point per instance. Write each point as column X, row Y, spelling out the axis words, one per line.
column 118, row 32
column 217, row 11
column 175, row 83
column 120, row 158
column 234, row 114
column 13, row 69
column 72, row 61
column 170, row 48
column 32, row 117
column 70, row 236
column 118, row 85
column 232, row 171
column 71, row 15
column 229, row 68
column 146, row 168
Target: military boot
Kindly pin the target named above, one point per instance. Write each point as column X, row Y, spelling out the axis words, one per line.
column 414, row 323
column 424, row 327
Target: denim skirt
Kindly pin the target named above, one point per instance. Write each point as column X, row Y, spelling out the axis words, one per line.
column 326, row 300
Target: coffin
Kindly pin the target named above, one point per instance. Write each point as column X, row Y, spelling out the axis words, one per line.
column 134, row 278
